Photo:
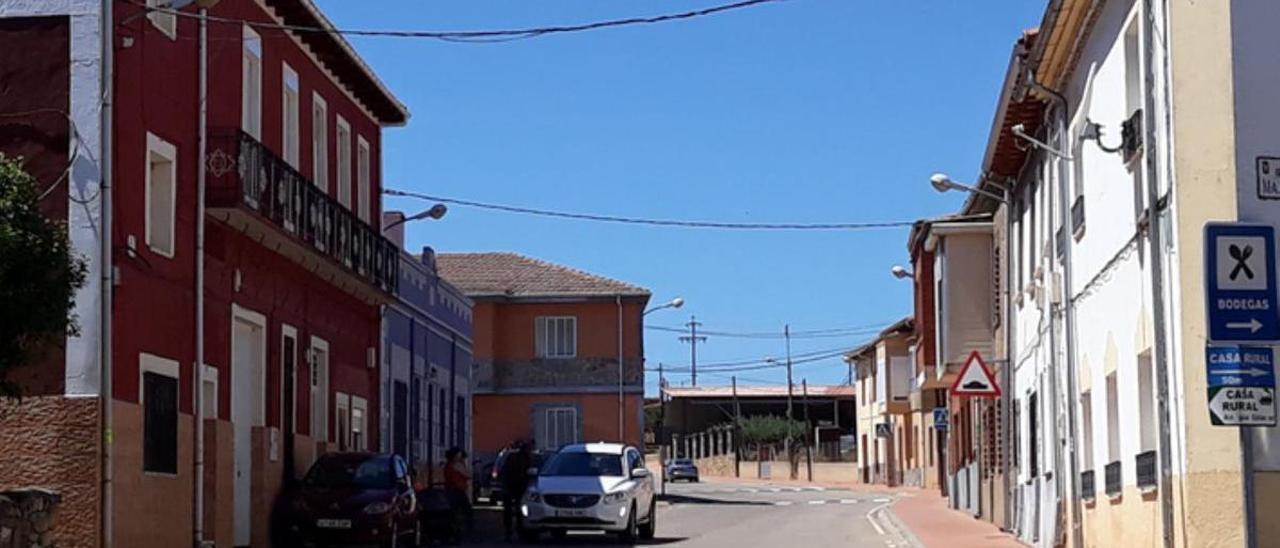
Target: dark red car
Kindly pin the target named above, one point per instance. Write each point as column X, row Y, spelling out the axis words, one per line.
column 363, row 499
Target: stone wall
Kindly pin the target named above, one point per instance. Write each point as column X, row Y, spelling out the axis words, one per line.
column 26, row 518
column 51, row 443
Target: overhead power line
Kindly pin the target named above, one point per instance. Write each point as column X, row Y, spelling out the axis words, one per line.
column 650, row 222
column 809, row 334
column 499, row 35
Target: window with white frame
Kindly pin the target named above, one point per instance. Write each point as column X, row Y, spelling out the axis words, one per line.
column 158, row 398
column 1147, row 427
column 359, row 433
column 289, row 378
column 365, row 207
column 1113, row 419
column 1086, row 429
column 319, row 389
column 558, row 426
column 166, row 21
column 161, row 193
column 344, row 162
column 342, row 420
column 320, row 142
column 556, row 336
column 291, row 142
column 251, row 84
column 209, row 392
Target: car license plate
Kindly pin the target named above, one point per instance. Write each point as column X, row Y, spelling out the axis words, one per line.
column 333, row 523
column 571, row 513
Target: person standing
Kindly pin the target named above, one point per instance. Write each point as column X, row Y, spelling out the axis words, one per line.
column 515, row 480
column 457, row 486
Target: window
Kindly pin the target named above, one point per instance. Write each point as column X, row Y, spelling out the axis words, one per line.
column 362, row 179
column 556, row 336
column 166, row 22
column 159, row 401
column 1086, row 429
column 291, row 140
column 251, row 84
column 558, row 426
column 161, row 192
column 209, row 393
column 1113, row 419
column 359, row 433
column 342, row 421
column 319, row 389
column 289, row 378
column 320, row 142
column 1033, row 436
column 344, row 162
column 1146, row 404
column 443, row 418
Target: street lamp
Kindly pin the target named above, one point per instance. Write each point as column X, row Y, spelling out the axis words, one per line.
column 900, row 272
column 942, row 182
column 436, row 212
column 673, row 303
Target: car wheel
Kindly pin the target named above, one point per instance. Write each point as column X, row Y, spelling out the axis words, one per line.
column 650, row 527
column 628, row 535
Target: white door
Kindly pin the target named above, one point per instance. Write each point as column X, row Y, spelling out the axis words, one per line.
column 246, row 412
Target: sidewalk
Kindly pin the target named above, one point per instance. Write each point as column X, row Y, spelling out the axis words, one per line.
column 926, row 515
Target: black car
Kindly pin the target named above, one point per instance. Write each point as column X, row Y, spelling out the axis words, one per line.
column 488, row 477
column 682, row 469
column 356, row 498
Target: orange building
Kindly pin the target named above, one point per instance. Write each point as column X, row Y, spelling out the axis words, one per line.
column 548, row 343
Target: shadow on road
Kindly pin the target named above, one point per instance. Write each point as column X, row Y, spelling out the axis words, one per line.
column 686, row 499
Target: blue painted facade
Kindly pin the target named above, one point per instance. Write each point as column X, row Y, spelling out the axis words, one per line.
column 426, row 369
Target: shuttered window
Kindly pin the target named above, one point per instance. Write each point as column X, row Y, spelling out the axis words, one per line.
column 556, row 336
column 558, row 426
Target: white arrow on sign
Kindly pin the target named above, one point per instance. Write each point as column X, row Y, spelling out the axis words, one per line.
column 1253, row 325
column 1250, row 372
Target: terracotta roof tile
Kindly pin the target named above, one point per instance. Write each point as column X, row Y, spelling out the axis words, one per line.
column 504, row 274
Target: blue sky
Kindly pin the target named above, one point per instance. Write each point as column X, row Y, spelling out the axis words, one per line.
column 803, row 110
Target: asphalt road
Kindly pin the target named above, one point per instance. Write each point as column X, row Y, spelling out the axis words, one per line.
column 748, row 515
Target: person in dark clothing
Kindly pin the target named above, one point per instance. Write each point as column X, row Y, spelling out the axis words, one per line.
column 515, row 480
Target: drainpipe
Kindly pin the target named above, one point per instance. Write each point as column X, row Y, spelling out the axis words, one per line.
column 107, row 277
column 621, row 376
column 197, row 393
column 1155, row 238
column 1069, row 324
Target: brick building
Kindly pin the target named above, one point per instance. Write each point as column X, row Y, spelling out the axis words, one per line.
column 548, row 343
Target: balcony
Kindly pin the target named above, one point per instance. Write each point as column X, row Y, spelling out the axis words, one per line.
column 1088, row 488
column 1145, row 466
column 1114, row 480
column 260, row 194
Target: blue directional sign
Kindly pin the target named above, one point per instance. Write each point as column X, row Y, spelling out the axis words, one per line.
column 940, row 418
column 1240, row 366
column 1240, row 283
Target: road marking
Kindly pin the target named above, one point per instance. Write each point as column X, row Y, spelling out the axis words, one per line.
column 815, row 502
column 848, row 501
column 783, row 503
column 882, row 500
column 875, row 524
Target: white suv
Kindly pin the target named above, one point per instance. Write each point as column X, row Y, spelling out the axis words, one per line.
column 592, row 486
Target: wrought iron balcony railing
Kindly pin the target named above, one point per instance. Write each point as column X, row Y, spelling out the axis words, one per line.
column 1114, row 479
column 1088, row 487
column 1145, row 467
column 244, row 174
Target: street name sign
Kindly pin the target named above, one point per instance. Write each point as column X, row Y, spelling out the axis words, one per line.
column 975, row 379
column 1242, row 385
column 940, row 418
column 1240, row 283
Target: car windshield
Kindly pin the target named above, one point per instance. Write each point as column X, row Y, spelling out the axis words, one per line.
column 682, row 462
column 370, row 472
column 583, row 464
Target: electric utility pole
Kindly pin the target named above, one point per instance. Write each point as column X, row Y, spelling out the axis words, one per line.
column 737, row 430
column 808, row 446
column 693, row 339
column 786, row 334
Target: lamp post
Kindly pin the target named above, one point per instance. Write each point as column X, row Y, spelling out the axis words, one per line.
column 673, row 303
column 662, row 400
column 943, row 183
column 436, row 212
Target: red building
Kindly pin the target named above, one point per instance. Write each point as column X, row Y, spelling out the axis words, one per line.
column 291, row 270
column 559, row 353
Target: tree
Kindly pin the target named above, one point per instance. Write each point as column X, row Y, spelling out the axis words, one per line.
column 768, row 429
column 39, row 275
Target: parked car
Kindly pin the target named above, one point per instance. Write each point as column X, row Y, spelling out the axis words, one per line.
column 682, row 469
column 356, row 498
column 488, row 482
column 596, row 486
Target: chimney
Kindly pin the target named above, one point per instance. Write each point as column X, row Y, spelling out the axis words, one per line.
column 429, row 257
column 395, row 233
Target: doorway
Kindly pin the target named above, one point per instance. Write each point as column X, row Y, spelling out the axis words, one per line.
column 248, row 392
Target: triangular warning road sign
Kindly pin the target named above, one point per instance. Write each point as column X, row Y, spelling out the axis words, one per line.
column 975, row 379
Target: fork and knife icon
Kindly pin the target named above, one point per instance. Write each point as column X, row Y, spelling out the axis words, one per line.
column 1241, row 255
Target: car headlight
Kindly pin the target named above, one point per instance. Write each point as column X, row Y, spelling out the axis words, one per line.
column 379, row 507
column 615, row 498
column 532, row 495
